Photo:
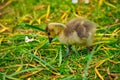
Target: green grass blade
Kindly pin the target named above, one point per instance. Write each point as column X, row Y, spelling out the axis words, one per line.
column 60, row 57
column 30, row 26
column 26, row 70
column 43, row 61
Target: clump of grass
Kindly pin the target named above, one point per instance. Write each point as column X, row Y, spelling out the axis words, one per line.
column 39, row 59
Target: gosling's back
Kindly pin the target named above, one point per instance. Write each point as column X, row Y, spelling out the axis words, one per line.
column 83, row 27
column 78, row 31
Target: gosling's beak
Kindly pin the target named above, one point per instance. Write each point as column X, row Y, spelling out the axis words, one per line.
column 50, row 39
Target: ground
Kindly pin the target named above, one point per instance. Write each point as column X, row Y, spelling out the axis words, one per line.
column 26, row 54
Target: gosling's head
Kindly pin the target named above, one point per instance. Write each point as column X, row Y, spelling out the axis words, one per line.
column 54, row 29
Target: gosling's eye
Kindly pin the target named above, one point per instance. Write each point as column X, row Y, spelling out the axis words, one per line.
column 48, row 33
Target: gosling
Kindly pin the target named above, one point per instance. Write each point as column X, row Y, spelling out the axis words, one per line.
column 76, row 31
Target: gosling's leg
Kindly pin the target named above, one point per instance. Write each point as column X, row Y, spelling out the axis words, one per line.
column 74, row 48
column 89, row 43
column 68, row 51
column 89, row 49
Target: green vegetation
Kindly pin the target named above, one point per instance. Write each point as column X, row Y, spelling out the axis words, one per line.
column 39, row 60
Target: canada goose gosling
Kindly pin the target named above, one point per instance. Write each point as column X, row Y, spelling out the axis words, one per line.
column 76, row 31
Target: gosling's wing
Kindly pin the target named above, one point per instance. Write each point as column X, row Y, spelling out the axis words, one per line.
column 90, row 26
column 82, row 31
column 72, row 26
column 86, row 29
column 83, row 27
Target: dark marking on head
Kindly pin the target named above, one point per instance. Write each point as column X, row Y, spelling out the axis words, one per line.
column 46, row 29
column 48, row 33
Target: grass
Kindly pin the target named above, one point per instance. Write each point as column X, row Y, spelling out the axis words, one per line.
column 39, row 60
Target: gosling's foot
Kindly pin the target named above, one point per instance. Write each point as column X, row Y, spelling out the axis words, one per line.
column 89, row 49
